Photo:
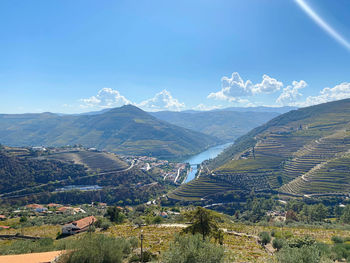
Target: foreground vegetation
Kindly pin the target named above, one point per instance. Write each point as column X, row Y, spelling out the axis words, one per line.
column 194, row 233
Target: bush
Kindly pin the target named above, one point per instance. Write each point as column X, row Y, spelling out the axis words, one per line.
column 23, row 219
column 273, row 232
column 157, row 220
column 341, row 251
column 96, row 248
column 106, row 225
column 264, row 238
column 188, row 248
column 305, row 254
column 277, row 243
column 134, row 242
column 27, row 246
column 337, row 240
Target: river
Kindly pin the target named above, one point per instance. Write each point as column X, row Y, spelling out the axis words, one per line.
column 195, row 160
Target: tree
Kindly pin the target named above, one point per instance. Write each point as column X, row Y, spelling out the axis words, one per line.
column 203, row 222
column 219, row 236
column 193, row 249
column 277, row 243
column 345, row 218
column 291, row 216
column 264, row 238
column 115, row 215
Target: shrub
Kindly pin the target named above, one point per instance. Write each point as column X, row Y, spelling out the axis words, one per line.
column 188, row 248
column 337, row 240
column 305, row 254
column 105, row 225
column 134, row 242
column 95, row 248
column 23, row 219
column 264, row 238
column 273, row 232
column 341, row 251
column 277, row 243
column 300, row 242
column 157, row 220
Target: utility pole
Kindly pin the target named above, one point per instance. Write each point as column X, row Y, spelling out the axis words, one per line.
column 141, row 237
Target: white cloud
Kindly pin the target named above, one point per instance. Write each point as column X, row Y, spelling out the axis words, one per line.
column 203, row 107
column 338, row 92
column 162, row 101
column 105, row 98
column 291, row 93
column 233, row 88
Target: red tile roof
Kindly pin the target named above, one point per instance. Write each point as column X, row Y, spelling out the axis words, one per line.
column 34, row 206
column 84, row 222
column 53, row 205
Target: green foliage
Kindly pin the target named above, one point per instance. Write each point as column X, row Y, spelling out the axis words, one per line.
column 341, row 251
column 193, row 249
column 337, row 240
column 27, row 246
column 304, row 254
column 277, row 243
column 203, row 222
column 20, row 173
column 345, row 218
column 314, row 212
column 264, row 238
column 157, row 220
column 97, row 248
column 115, row 215
column 301, row 241
column 103, row 223
column 23, row 219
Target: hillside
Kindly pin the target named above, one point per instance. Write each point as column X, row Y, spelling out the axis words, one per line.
column 226, row 125
column 124, row 130
column 301, row 152
column 26, row 177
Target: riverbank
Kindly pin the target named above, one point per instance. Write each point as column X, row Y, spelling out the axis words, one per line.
column 197, row 159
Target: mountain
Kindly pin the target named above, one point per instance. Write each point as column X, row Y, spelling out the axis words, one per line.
column 125, row 130
column 279, row 110
column 226, row 125
column 303, row 152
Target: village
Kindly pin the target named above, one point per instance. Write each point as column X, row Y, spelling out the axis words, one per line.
column 170, row 171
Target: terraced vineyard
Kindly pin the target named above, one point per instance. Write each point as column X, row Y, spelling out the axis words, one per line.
column 95, row 161
column 300, row 152
column 332, row 176
column 194, row 190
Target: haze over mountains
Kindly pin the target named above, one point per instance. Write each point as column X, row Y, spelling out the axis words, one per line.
column 124, row 130
column 224, row 125
column 302, row 152
column 129, row 130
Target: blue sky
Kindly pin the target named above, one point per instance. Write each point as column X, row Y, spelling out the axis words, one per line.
column 75, row 56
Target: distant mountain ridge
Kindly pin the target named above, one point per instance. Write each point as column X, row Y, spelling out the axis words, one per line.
column 303, row 152
column 125, row 130
column 224, row 125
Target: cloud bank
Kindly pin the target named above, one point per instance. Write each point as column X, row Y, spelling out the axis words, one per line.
column 105, row 98
column 290, row 95
column 162, row 101
column 338, row 92
column 110, row 98
column 234, row 88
